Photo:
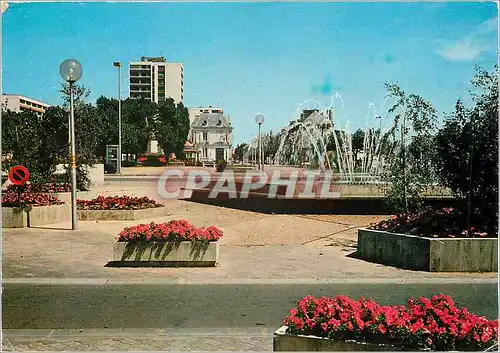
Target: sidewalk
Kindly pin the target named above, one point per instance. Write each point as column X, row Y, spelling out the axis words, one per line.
column 254, row 247
column 216, row 339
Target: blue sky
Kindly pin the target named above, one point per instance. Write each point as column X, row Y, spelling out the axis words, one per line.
column 252, row 58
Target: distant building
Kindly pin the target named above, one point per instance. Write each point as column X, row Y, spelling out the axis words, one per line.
column 156, row 79
column 18, row 103
column 212, row 135
column 197, row 111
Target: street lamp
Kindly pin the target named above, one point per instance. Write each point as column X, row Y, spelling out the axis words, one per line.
column 71, row 71
column 259, row 119
column 118, row 65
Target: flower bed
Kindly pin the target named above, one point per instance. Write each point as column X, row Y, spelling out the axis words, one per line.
column 443, row 223
column 10, row 198
column 117, row 203
column 425, row 324
column 32, row 210
column 176, row 231
column 175, row 243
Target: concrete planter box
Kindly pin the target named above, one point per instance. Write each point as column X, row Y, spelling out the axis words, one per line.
column 121, row 215
column 428, row 254
column 13, row 217
column 284, row 342
column 166, row 254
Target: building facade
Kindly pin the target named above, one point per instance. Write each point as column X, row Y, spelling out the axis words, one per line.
column 18, row 103
column 212, row 136
column 197, row 111
column 156, row 79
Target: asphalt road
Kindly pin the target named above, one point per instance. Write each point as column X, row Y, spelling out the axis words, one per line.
column 29, row 306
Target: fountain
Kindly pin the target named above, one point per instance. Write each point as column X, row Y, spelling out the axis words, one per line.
column 318, row 140
column 315, row 129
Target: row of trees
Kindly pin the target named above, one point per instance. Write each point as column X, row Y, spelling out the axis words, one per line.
column 462, row 155
column 40, row 143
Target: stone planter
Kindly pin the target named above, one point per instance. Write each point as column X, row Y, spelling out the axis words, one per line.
column 122, row 215
column 284, row 342
column 166, row 254
column 428, row 254
column 13, row 217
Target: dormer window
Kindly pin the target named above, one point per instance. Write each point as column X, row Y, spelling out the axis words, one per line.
column 219, row 123
column 204, row 123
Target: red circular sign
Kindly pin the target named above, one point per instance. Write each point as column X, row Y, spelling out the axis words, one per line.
column 19, row 175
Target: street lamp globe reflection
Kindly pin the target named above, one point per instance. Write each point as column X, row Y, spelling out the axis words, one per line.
column 70, row 70
column 259, row 119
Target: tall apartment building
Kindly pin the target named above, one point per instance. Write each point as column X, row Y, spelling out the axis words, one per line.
column 18, row 103
column 156, row 79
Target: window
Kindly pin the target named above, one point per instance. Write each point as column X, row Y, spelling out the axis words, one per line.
column 205, row 136
column 205, row 152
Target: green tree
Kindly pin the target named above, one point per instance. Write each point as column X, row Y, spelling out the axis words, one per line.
column 138, row 117
column 80, row 93
column 108, row 111
column 240, row 151
column 171, row 126
column 410, row 171
column 23, row 138
column 467, row 152
column 358, row 139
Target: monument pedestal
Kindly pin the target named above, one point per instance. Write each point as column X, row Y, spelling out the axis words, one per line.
column 153, row 147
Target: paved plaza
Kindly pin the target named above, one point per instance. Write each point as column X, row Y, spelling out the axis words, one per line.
column 60, row 295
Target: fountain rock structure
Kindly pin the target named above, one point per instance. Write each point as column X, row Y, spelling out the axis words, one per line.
column 320, row 135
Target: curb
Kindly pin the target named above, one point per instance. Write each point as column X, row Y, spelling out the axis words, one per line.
column 245, row 281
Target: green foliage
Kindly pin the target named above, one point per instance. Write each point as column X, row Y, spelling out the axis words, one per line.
column 171, row 126
column 270, row 144
column 467, row 152
column 152, row 161
column 137, row 125
column 240, row 151
column 358, row 139
column 410, row 167
column 23, row 136
column 129, row 163
column 221, row 165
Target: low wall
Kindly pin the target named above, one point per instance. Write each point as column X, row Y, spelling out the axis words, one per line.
column 283, row 342
column 345, row 205
column 428, row 254
column 37, row 216
column 122, row 215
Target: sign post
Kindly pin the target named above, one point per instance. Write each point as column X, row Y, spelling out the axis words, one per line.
column 19, row 175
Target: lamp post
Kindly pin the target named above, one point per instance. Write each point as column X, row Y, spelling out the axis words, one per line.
column 71, row 71
column 118, row 65
column 259, row 119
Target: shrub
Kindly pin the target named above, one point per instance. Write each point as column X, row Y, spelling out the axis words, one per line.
column 10, row 198
column 152, row 161
column 431, row 324
column 129, row 163
column 221, row 165
column 443, row 223
column 176, row 231
column 43, row 188
column 117, row 203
